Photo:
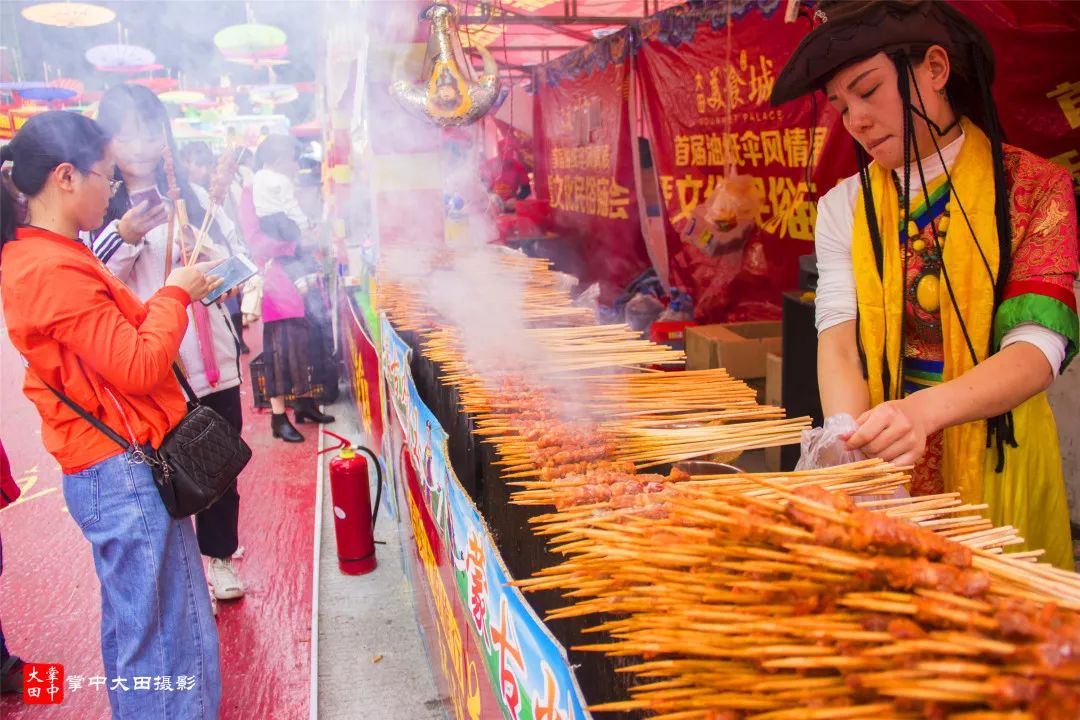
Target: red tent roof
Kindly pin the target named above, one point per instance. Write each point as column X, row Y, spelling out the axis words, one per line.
column 529, row 32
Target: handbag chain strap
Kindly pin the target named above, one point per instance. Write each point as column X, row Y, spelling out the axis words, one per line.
column 138, row 455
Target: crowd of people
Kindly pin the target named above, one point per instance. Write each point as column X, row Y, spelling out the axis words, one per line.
column 103, row 302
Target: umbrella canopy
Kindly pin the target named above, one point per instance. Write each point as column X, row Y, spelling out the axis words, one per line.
column 186, row 131
column 48, row 93
column 130, row 69
column 119, row 56
column 274, row 53
column 308, row 130
column 182, row 97
column 249, row 38
column 68, row 14
column 20, row 86
column 273, row 94
column 157, row 84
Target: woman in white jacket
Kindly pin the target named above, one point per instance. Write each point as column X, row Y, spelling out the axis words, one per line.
column 132, row 244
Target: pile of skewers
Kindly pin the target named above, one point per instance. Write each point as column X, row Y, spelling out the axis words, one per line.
column 779, row 603
column 751, row 596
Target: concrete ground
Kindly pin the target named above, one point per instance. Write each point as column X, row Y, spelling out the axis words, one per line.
column 372, row 663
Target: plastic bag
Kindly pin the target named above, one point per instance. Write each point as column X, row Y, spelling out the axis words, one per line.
column 680, row 309
column 643, row 310
column 826, row 446
column 589, row 298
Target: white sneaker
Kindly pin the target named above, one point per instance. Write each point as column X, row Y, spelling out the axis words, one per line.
column 223, row 579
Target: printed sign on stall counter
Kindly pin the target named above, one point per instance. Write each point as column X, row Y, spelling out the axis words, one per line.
column 492, row 646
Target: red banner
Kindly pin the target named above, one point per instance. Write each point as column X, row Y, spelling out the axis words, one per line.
column 584, row 161
column 707, row 103
column 1037, row 88
column 362, row 364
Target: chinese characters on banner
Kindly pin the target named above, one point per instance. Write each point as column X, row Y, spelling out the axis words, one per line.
column 794, row 153
column 584, row 161
column 705, row 114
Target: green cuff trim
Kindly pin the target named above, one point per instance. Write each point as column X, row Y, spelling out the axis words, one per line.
column 928, row 376
column 1041, row 310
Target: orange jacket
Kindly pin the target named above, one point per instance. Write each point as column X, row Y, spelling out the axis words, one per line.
column 84, row 332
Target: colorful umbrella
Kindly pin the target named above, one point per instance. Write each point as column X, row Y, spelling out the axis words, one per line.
column 20, row 86
column 257, row 63
column 157, row 84
column 273, row 94
column 89, row 110
column 48, row 94
column 249, row 38
column 273, row 53
column 186, row 131
column 308, row 130
column 130, row 69
column 182, row 97
column 68, row 14
column 119, row 56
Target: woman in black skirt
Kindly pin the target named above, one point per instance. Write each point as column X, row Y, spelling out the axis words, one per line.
column 288, row 279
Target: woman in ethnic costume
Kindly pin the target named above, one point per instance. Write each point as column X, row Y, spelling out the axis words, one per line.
column 945, row 303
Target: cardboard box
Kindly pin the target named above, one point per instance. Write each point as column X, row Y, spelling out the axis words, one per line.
column 739, row 348
column 774, row 375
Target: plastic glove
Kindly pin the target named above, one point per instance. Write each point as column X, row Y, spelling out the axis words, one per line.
column 826, row 446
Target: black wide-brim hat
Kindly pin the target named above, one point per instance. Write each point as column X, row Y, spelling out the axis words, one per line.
column 852, row 30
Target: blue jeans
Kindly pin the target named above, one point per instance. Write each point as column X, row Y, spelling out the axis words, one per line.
column 156, row 620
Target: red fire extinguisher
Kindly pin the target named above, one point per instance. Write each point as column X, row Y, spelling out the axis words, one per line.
column 354, row 521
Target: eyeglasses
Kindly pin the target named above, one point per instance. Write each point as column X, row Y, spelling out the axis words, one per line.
column 114, row 185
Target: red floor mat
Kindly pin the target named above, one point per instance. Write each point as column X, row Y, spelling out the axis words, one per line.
column 49, row 600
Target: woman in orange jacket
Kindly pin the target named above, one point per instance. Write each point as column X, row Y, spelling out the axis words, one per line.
column 82, row 331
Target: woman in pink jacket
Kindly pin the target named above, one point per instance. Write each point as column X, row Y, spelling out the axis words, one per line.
column 285, row 327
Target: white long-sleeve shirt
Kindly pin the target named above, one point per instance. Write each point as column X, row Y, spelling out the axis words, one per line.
column 835, row 302
column 274, row 193
column 141, row 266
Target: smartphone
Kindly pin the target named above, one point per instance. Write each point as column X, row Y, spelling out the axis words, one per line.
column 150, row 195
column 235, row 270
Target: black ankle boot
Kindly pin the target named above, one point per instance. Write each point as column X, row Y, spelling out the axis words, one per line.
column 305, row 409
column 282, row 428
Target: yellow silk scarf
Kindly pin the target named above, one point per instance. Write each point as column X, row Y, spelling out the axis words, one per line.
column 1031, row 486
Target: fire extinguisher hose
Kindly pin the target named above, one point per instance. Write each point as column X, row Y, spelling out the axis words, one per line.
column 378, row 483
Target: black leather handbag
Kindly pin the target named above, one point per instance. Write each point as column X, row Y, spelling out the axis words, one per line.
column 198, row 460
